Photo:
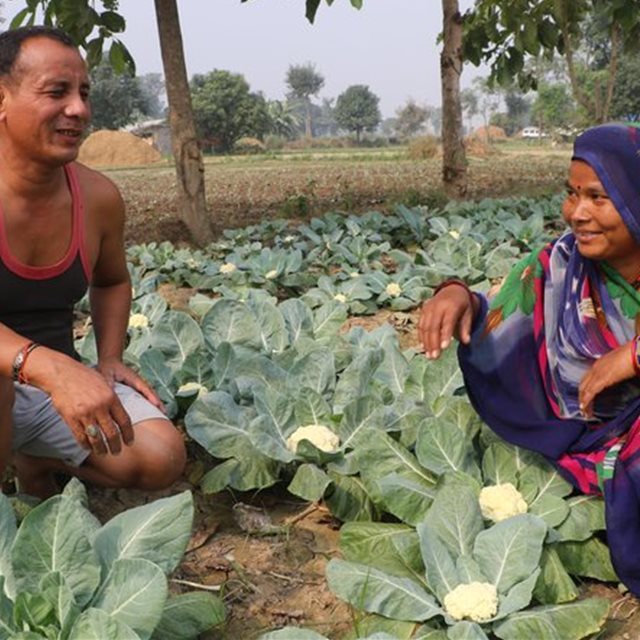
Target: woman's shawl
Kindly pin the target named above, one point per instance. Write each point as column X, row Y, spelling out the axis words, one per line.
column 555, row 314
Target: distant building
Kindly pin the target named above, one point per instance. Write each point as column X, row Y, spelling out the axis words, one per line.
column 155, row 132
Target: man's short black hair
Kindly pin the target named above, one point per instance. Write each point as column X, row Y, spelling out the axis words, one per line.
column 11, row 42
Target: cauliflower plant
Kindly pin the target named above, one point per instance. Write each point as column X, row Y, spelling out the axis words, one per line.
column 501, row 501
column 477, row 601
column 393, row 289
column 138, row 321
column 227, row 267
column 317, row 434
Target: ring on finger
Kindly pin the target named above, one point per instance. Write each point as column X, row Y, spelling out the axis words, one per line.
column 92, row 430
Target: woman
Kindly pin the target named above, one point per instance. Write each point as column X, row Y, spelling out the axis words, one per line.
column 552, row 362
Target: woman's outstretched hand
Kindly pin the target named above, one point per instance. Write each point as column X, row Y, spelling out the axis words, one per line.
column 612, row 368
column 448, row 314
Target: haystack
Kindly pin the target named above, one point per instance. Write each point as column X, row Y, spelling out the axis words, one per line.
column 117, row 149
column 489, row 134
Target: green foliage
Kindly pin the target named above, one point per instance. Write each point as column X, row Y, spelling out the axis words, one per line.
column 553, row 108
column 357, row 110
column 116, row 100
column 410, row 119
column 66, row 576
column 625, row 104
column 88, row 27
column 304, row 80
column 423, row 148
column 225, row 109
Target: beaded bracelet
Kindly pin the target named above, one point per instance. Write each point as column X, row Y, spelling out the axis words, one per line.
column 635, row 354
column 17, row 368
column 461, row 283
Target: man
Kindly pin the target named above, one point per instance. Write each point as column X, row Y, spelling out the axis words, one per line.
column 61, row 230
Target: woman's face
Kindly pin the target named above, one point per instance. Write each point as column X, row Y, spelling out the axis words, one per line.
column 599, row 229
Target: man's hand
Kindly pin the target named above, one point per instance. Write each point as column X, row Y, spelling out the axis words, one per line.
column 611, row 369
column 84, row 400
column 114, row 371
column 448, row 314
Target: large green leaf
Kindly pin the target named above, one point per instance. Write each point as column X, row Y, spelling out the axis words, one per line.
column 442, row 575
column 272, row 333
column 219, row 424
column 298, row 319
column 509, row 551
column 53, row 588
column 7, row 628
column 589, row 558
column 188, row 615
column 442, row 377
column 556, row 622
column 328, row 319
column 349, row 499
column 551, row 508
column 251, row 470
column 378, row 592
column 518, row 597
column 158, row 532
column 554, row 585
column 292, row 633
column 7, row 534
column 377, row 544
column 275, row 422
column 466, row 631
column 177, row 336
column 362, row 418
column 311, row 408
column 315, row 370
column 309, row 483
column 540, row 480
column 355, row 380
column 95, row 624
column 586, row 515
column 230, row 321
column 394, row 369
column 504, row 463
column 54, row 537
column 455, row 517
column 442, row 446
column 405, row 498
column 134, row 592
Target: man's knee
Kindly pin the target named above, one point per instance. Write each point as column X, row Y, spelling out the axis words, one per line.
column 164, row 462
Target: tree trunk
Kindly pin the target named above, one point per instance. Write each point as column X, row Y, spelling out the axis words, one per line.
column 192, row 207
column 454, row 161
column 308, row 129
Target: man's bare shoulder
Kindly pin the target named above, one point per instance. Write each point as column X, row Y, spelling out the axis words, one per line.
column 98, row 190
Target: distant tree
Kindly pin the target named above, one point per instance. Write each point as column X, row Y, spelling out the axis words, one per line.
column 410, row 119
column 469, row 102
column 357, row 110
column 436, row 120
column 303, row 82
column 488, row 102
column 554, row 107
column 225, row 109
column 625, row 104
column 116, row 99
column 152, row 88
column 518, row 111
column 283, row 119
column 325, row 119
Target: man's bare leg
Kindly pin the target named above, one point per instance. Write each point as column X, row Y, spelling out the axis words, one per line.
column 6, row 405
column 154, row 461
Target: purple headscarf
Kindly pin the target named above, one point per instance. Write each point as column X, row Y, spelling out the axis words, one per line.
column 613, row 152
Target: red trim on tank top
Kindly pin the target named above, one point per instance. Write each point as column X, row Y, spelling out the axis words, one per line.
column 76, row 245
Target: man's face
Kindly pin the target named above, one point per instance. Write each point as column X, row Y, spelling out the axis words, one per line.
column 45, row 102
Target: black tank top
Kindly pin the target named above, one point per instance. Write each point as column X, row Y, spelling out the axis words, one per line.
column 37, row 302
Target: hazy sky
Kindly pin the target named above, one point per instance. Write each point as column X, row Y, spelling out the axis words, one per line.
column 389, row 45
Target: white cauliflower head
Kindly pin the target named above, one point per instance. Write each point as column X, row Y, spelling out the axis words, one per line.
column 476, row 601
column 340, row 297
column 501, row 501
column 191, row 388
column 227, row 267
column 354, row 274
column 270, row 275
column 317, row 434
column 455, row 234
column 393, row 289
column 138, row 321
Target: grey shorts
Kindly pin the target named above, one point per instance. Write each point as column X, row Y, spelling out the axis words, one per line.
column 38, row 430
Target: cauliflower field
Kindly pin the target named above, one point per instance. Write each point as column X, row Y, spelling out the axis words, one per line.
column 447, row 532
